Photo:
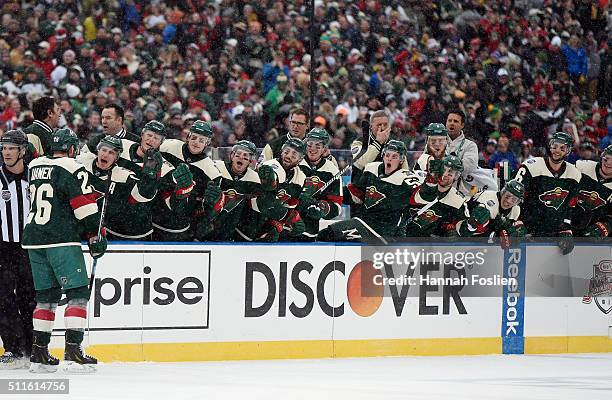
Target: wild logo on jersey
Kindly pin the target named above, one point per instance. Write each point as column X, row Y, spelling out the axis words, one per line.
column 232, row 199
column 373, row 196
column 427, row 218
column 590, row 200
column 313, row 183
column 554, row 198
column 283, row 196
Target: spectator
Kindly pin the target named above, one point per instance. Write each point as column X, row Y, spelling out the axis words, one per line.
column 503, row 155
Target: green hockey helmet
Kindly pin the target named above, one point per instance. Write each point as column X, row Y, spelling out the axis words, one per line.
column 318, row 135
column 607, row 151
column 113, row 142
column 15, row 137
column 201, row 128
column 247, row 146
column 435, row 129
column 397, row 146
column 453, row 162
column 155, row 126
column 295, row 144
column 563, row 138
column 63, row 139
column 515, row 187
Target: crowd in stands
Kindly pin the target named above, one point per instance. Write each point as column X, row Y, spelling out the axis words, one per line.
column 520, row 69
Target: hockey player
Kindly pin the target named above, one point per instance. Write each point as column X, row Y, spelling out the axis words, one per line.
column 63, row 205
column 593, row 216
column 437, row 142
column 319, row 170
column 440, row 216
column 551, row 186
column 386, row 191
column 267, row 215
column 128, row 213
column 206, row 198
column 170, row 205
column 239, row 184
column 496, row 214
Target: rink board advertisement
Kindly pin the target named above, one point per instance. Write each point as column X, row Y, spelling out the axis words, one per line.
column 223, row 301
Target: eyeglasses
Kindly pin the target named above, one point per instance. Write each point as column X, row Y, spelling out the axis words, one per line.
column 297, row 123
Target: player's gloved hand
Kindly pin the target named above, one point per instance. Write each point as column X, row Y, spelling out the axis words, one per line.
column 97, row 245
column 152, row 163
column 599, row 229
column 435, row 172
column 566, row 241
column 517, row 229
column 183, row 178
column 314, row 212
column 213, row 196
column 325, row 207
column 479, row 217
column 294, row 222
column 268, row 178
column 306, row 200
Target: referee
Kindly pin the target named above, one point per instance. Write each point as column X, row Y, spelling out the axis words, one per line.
column 16, row 285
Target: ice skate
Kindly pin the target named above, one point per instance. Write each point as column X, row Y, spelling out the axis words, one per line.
column 41, row 361
column 11, row 360
column 76, row 361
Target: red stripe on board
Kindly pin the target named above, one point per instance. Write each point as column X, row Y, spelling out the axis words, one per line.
column 43, row 314
column 75, row 312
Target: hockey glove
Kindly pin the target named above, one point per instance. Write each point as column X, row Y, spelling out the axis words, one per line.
column 97, row 246
column 152, row 163
column 435, row 172
column 479, row 217
column 214, row 196
column 566, row 241
column 306, row 201
column 184, row 181
column 517, row 229
column 268, row 178
column 294, row 222
column 504, row 240
column 599, row 229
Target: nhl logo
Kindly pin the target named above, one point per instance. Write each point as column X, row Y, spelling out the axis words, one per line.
column 600, row 286
column 6, row 195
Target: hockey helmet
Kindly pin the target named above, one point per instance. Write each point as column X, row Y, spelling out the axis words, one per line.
column 155, row 126
column 514, row 187
column 318, row 135
column 247, row 146
column 113, row 142
column 563, row 138
column 397, row 146
column 295, row 144
column 15, row 137
column 63, row 139
column 201, row 128
column 453, row 162
column 435, row 129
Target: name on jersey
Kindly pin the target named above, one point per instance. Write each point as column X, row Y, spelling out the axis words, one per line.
column 41, row 173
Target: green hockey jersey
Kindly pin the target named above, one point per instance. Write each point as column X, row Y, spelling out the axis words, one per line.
column 594, row 198
column 63, row 204
column 548, row 204
column 128, row 213
column 316, row 177
column 387, row 198
column 237, row 191
column 39, row 134
column 437, row 215
column 169, row 213
column 500, row 219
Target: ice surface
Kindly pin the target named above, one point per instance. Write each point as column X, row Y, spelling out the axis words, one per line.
column 531, row 377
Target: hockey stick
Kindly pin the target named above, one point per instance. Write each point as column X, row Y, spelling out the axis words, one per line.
column 365, row 127
column 109, row 186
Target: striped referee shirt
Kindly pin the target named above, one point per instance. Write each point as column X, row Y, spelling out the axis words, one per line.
column 14, row 204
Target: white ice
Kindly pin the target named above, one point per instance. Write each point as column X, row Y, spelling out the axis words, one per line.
column 532, row 377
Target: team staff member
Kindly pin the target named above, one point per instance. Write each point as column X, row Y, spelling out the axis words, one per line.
column 16, row 286
column 47, row 114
